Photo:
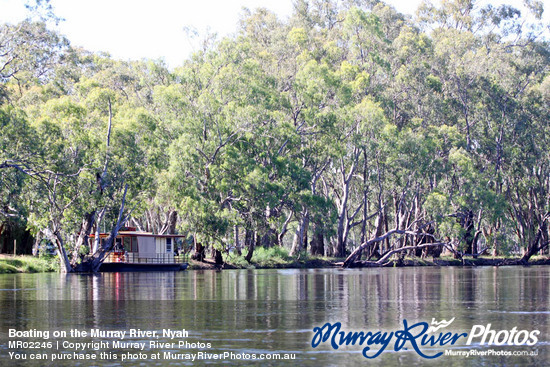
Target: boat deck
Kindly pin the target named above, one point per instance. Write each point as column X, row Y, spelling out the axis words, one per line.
column 119, row 261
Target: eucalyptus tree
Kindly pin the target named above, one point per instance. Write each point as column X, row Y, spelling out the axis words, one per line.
column 29, row 53
column 220, row 161
column 80, row 165
column 487, row 62
column 292, row 57
column 14, row 139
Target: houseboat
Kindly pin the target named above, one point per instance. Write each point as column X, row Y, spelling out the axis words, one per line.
column 143, row 251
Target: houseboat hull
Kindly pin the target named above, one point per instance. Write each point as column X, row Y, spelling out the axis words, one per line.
column 124, row 267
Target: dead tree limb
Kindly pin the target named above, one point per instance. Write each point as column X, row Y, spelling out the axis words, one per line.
column 388, row 254
column 102, row 252
column 354, row 256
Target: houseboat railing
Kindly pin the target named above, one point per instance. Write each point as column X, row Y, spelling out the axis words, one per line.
column 132, row 258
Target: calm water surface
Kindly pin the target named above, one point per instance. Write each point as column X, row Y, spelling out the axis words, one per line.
column 274, row 311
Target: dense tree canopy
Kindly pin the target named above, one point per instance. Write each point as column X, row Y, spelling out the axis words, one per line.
column 347, row 127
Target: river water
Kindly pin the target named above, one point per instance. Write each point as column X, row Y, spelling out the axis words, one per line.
column 261, row 312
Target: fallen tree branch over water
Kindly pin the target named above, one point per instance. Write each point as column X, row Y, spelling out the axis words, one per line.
column 354, row 256
column 390, row 253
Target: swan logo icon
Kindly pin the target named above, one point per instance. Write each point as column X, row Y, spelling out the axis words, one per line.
column 439, row 325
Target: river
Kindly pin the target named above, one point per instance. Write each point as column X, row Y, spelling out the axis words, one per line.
column 261, row 312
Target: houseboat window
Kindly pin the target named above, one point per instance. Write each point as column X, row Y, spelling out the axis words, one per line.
column 128, row 245
column 118, row 244
column 168, row 245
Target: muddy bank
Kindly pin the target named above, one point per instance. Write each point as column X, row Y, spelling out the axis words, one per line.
column 449, row 262
column 209, row 264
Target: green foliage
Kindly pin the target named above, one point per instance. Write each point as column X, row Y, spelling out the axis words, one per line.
column 263, row 257
column 27, row 264
column 344, row 114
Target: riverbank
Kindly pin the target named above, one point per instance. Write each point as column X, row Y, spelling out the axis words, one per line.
column 449, row 261
column 29, row 264
column 26, row 264
column 267, row 258
column 328, row 262
column 315, row 263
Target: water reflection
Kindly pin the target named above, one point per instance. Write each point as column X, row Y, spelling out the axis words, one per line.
column 275, row 310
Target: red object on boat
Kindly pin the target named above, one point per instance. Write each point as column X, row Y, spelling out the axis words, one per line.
column 118, row 256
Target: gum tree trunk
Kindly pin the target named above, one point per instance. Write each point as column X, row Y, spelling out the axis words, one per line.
column 249, row 243
column 300, row 237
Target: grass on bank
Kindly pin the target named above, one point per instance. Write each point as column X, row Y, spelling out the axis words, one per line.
column 27, row 264
column 276, row 257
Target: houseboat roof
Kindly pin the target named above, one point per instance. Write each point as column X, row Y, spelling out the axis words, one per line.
column 140, row 234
